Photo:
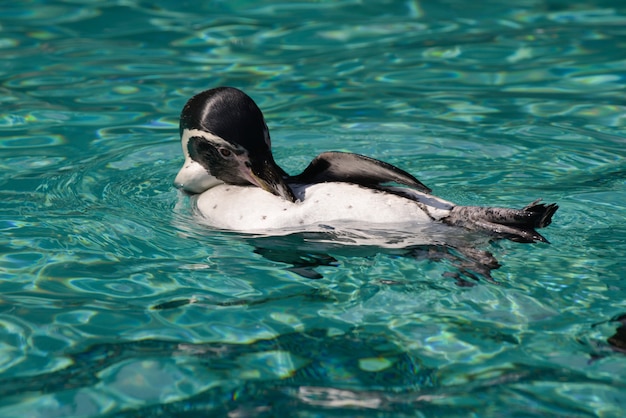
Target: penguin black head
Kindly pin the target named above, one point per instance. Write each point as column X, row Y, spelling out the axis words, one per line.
column 223, row 131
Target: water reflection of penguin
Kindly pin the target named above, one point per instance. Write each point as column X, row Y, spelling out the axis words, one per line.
column 305, row 252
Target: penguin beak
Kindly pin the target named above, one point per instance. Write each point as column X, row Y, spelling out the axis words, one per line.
column 267, row 175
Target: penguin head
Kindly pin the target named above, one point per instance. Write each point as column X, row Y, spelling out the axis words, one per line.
column 225, row 140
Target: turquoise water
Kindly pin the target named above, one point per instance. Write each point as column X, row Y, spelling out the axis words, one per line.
column 113, row 302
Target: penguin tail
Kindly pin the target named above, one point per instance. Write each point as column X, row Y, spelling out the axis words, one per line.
column 515, row 224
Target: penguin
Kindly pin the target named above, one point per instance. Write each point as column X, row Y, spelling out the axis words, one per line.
column 238, row 186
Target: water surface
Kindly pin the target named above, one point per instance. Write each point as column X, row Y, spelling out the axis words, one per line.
column 114, row 302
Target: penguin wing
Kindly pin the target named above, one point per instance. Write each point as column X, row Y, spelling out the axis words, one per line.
column 354, row 168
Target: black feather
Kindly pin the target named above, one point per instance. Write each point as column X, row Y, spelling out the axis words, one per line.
column 354, row 168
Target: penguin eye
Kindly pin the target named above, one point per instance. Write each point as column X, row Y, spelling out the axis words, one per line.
column 225, row 152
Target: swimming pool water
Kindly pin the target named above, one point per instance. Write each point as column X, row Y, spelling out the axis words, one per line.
column 114, row 302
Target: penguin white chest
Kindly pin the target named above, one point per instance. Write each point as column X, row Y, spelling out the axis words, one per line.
column 250, row 209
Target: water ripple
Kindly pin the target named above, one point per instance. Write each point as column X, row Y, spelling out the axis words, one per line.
column 113, row 300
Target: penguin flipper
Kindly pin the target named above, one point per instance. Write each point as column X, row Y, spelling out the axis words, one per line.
column 355, row 168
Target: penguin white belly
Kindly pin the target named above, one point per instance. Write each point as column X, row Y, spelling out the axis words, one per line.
column 251, row 209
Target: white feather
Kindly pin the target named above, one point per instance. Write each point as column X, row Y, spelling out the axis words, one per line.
column 323, row 205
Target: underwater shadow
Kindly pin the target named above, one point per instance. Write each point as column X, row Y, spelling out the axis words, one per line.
column 305, row 252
